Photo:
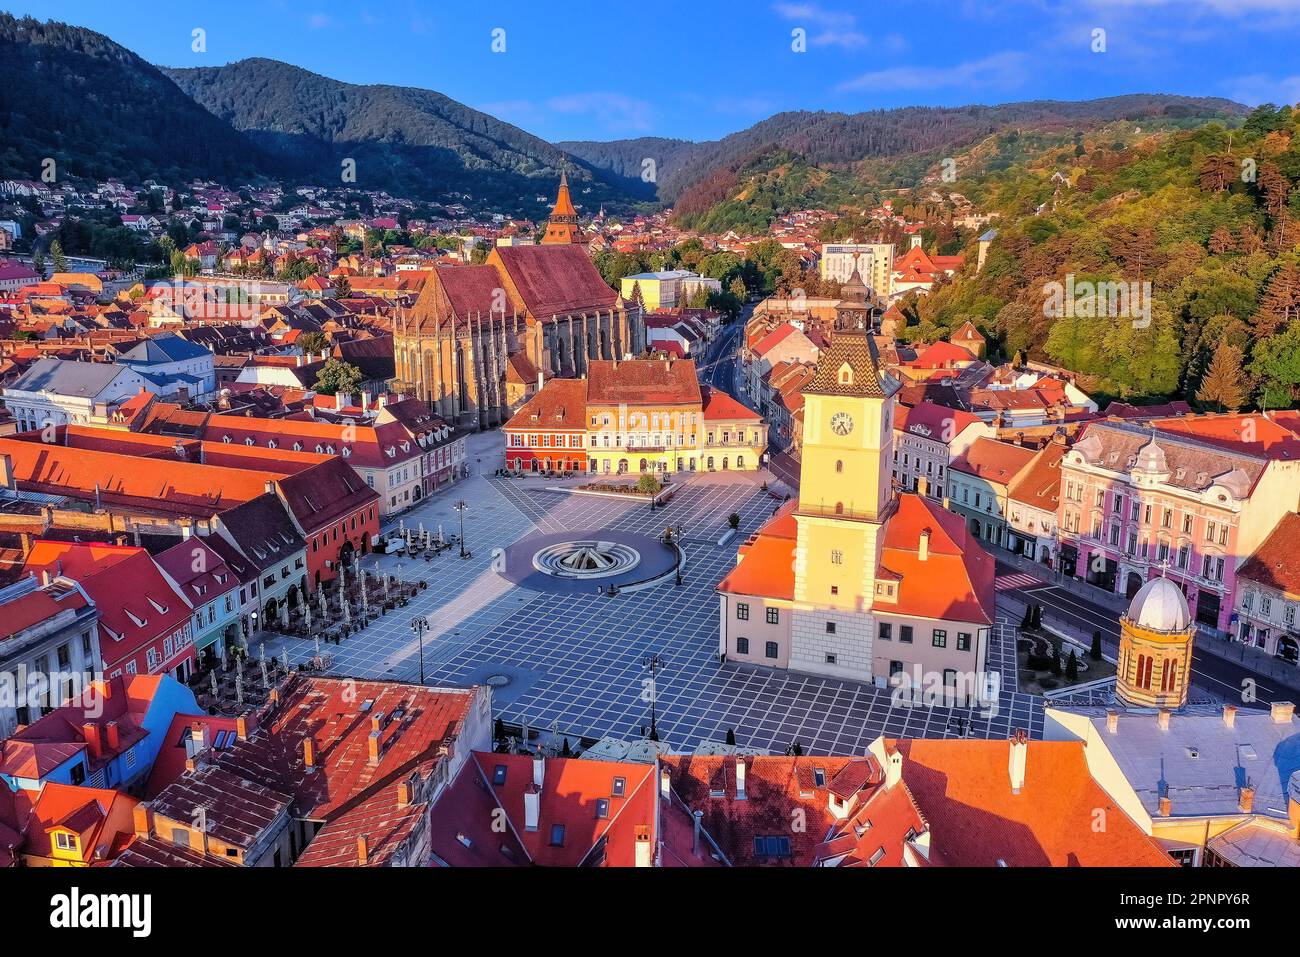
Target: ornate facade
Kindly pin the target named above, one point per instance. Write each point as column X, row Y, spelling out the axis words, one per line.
column 480, row 339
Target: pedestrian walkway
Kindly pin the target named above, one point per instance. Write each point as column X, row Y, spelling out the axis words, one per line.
column 1017, row 580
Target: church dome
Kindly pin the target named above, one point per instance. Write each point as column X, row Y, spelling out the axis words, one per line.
column 1160, row 606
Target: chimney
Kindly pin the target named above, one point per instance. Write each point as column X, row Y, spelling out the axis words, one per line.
column 541, row 380
column 698, row 819
column 1283, row 712
column 1162, row 719
column 198, row 738
column 269, row 487
column 539, row 769
column 893, row 768
column 1246, row 799
column 1230, row 715
column 923, row 545
column 922, row 486
column 363, row 850
column 7, row 472
column 665, row 783
column 90, row 731
column 740, row 779
column 404, row 792
column 113, row 738
column 308, row 752
column 1166, row 806
column 241, row 728
column 1019, row 756
column 143, row 818
column 372, row 746
column 532, row 808
column 644, row 846
column 1112, row 721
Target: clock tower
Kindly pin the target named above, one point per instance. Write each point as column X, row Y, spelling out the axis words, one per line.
column 845, row 485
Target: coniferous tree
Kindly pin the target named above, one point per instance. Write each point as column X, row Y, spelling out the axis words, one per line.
column 1095, row 651
column 1224, row 383
column 1072, row 666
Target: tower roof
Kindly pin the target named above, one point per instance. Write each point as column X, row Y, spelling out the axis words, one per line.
column 851, row 366
column 563, row 202
column 563, row 225
column 854, row 290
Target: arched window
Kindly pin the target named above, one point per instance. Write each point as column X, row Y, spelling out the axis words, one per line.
column 839, row 466
column 839, row 508
column 846, row 374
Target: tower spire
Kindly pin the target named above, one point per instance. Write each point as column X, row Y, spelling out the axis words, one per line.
column 563, row 225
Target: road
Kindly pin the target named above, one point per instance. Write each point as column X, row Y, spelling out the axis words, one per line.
column 1067, row 605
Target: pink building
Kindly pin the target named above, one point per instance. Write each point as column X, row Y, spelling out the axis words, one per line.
column 1136, row 501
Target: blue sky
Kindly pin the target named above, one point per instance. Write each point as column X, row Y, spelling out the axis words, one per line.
column 578, row 69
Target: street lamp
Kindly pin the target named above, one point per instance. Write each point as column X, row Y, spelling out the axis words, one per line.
column 653, row 663
column 460, row 507
column 420, row 625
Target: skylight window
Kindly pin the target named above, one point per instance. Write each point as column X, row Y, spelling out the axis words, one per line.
column 499, row 775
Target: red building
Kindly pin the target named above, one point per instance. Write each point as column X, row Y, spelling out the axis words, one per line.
column 550, row 430
column 144, row 621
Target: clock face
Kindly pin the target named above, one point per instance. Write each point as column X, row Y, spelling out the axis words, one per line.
column 841, row 423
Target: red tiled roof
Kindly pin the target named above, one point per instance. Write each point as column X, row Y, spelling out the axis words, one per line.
column 136, row 602
column 553, row 280
column 49, row 741
column 567, row 798
column 993, row 461
column 642, row 381
column 561, row 404
column 718, row 405
column 931, row 420
column 955, row 580
column 964, row 790
column 1276, row 562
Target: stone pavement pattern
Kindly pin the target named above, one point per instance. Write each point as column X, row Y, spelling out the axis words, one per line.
column 575, row 663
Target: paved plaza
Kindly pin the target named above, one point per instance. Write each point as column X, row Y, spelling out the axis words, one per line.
column 574, row 664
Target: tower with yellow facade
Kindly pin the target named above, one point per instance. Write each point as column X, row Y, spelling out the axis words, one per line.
column 845, row 495
column 1155, row 647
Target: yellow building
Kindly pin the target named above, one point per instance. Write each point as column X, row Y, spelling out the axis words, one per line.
column 854, row 580
column 1155, row 647
column 651, row 415
column 71, row 826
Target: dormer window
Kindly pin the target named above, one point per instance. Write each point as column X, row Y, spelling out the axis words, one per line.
column 248, row 441
column 846, row 374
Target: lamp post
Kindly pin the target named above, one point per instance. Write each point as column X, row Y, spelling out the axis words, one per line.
column 460, row 507
column 653, row 663
column 420, row 625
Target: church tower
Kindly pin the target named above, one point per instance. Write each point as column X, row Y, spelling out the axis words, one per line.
column 845, row 486
column 1155, row 647
column 563, row 225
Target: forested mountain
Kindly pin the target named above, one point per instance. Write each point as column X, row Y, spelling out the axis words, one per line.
column 1209, row 217
column 99, row 111
column 692, row 174
column 407, row 141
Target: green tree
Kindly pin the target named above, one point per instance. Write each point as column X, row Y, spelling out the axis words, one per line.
column 312, row 343
column 337, row 376
column 1276, row 364
column 56, row 256
column 647, row 484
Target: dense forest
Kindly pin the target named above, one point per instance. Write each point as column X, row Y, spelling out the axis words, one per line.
column 407, row 141
column 838, row 139
column 1209, row 218
column 98, row 110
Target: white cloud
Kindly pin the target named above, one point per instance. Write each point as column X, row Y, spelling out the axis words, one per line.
column 825, row 27
column 1000, row 70
column 319, row 21
column 1258, row 88
column 616, row 112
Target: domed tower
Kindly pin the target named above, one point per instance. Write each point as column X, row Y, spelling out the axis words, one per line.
column 1155, row 647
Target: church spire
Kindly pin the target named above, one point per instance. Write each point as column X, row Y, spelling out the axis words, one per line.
column 563, row 226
